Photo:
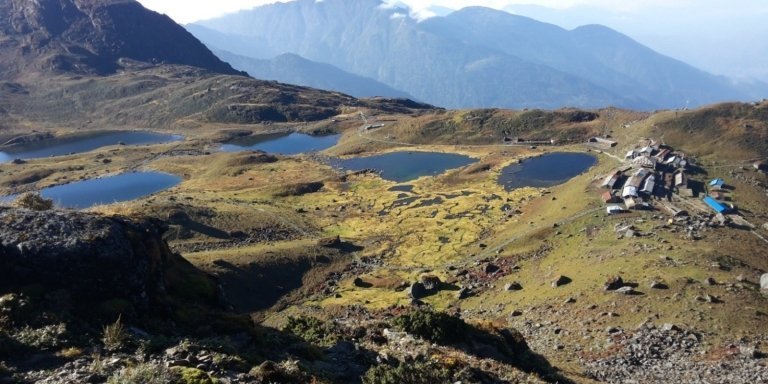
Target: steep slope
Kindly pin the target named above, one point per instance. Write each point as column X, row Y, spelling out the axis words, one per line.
column 89, row 36
column 479, row 57
column 368, row 39
column 97, row 63
column 294, row 69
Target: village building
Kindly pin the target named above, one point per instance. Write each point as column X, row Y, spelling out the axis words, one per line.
column 646, row 151
column 673, row 210
column 717, row 184
column 661, row 156
column 649, row 185
column 609, row 197
column 614, row 209
column 637, row 178
column 611, row 180
column 603, row 142
column 645, row 161
column 681, row 179
column 716, row 206
column 629, row 191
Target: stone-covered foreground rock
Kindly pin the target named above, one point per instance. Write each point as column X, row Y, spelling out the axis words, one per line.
column 94, row 258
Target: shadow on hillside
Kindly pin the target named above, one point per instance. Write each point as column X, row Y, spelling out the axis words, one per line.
column 508, row 346
column 255, row 287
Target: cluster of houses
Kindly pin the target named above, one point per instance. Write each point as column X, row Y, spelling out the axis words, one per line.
column 656, row 170
column 652, row 169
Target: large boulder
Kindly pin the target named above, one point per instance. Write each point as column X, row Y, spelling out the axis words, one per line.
column 96, row 259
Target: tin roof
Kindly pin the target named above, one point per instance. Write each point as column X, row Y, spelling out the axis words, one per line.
column 715, row 205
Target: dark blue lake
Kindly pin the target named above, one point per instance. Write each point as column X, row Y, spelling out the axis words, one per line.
column 111, row 189
column 282, row 143
column 546, row 170
column 83, row 143
column 405, row 166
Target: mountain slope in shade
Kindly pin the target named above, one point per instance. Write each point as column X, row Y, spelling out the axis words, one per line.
column 293, row 69
column 480, row 57
column 90, row 36
column 383, row 43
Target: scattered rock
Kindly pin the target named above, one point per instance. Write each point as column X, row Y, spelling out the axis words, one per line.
column 491, row 268
column 655, row 284
column 560, row 281
column 710, row 281
column 613, row 283
column 669, row 327
column 569, row 300
column 431, row 282
column 626, row 290
column 764, row 282
column 417, row 291
column 513, row 286
column 329, row 242
column 516, row 313
column 358, row 282
column 463, row 293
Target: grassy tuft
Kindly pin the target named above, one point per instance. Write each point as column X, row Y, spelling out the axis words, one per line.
column 114, row 336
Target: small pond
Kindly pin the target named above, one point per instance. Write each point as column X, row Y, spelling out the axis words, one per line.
column 83, row 143
column 404, row 166
column 545, row 171
column 282, row 143
column 107, row 190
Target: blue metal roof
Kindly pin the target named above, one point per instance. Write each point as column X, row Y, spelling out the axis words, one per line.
column 717, row 182
column 716, row 205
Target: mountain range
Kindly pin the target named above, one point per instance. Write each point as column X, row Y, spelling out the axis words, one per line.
column 294, row 69
column 108, row 63
column 474, row 57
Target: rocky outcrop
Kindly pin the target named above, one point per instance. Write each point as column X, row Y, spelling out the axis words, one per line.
column 90, row 36
column 94, row 258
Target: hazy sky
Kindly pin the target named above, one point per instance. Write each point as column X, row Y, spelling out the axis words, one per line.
column 728, row 37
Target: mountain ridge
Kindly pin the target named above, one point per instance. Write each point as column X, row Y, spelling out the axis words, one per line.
column 290, row 68
column 89, row 36
column 436, row 59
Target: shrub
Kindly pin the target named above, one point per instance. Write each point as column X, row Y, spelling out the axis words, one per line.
column 437, row 327
column 33, row 201
column 142, row 374
column 287, row 371
column 192, row 376
column 415, row 373
column 311, row 329
column 114, row 336
column 45, row 338
column 70, row 353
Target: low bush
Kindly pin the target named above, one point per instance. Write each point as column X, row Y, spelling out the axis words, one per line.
column 33, row 201
column 436, row 327
column 148, row 373
column 311, row 329
column 411, row 373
